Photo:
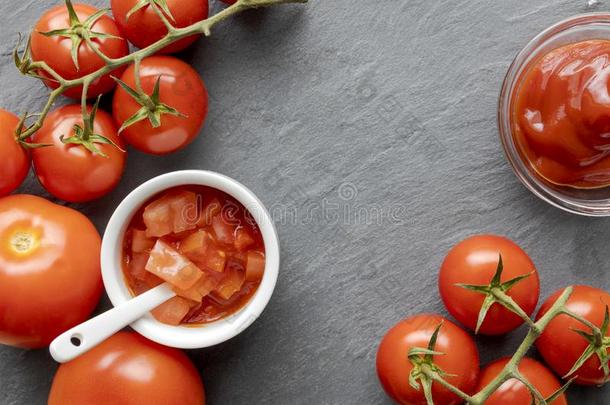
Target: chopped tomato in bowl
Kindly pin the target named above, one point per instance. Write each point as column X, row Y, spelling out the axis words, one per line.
column 206, row 237
column 201, row 241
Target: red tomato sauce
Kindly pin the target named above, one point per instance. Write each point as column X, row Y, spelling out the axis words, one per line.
column 561, row 115
column 201, row 241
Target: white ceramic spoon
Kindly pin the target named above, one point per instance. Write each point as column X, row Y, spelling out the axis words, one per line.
column 82, row 338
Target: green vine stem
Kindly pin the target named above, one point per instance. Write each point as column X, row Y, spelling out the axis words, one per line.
column 431, row 372
column 28, row 67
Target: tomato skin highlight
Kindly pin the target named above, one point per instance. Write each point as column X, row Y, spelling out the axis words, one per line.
column 128, row 369
column 474, row 261
column 180, row 88
column 144, row 27
column 560, row 346
column 55, row 50
column 14, row 159
column 513, row 391
column 71, row 172
column 461, row 358
column 50, row 277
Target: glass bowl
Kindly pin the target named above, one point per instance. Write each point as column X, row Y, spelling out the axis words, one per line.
column 590, row 202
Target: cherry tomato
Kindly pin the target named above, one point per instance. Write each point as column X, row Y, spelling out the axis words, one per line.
column 14, row 159
column 513, row 391
column 56, row 50
column 70, row 171
column 460, row 358
column 144, row 27
column 474, row 261
column 561, row 347
column 50, row 276
column 180, row 88
column 128, row 369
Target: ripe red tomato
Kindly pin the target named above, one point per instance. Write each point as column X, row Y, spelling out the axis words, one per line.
column 513, row 391
column 14, row 159
column 56, row 50
column 474, row 261
column 50, row 276
column 461, row 359
column 561, row 347
column 128, row 369
column 144, row 27
column 180, row 88
column 70, row 171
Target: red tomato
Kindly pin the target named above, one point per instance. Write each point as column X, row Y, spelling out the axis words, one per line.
column 50, row 276
column 461, row 359
column 56, row 50
column 144, row 27
column 181, row 88
column 560, row 346
column 70, row 171
column 128, row 369
column 513, row 391
column 474, row 261
column 14, row 159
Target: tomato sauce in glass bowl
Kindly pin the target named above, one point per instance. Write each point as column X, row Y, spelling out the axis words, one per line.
column 209, row 239
column 554, row 114
column 561, row 115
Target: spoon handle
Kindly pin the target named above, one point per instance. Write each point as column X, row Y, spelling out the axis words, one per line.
column 87, row 335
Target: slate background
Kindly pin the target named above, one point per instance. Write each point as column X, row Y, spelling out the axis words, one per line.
column 337, row 114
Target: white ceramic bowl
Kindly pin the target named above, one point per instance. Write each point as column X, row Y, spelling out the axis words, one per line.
column 189, row 337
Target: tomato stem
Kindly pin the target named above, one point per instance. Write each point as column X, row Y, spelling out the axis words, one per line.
column 425, row 370
column 80, row 31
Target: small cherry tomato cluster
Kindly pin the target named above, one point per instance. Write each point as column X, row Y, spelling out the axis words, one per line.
column 491, row 286
column 159, row 106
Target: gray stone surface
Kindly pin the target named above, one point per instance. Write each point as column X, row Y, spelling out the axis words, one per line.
column 357, row 107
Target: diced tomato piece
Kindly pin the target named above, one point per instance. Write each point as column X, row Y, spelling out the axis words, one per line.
column 215, row 260
column 243, row 239
column 171, row 266
column 209, row 212
column 172, row 311
column 224, row 231
column 184, row 211
column 255, row 265
column 230, row 284
column 140, row 242
column 137, row 265
column 172, row 213
column 202, row 288
column 195, row 245
column 202, row 250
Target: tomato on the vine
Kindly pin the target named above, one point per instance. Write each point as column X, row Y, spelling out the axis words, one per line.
column 70, row 171
column 169, row 112
column 128, row 369
column 460, row 359
column 142, row 26
column 474, row 261
column 561, row 346
column 57, row 40
column 14, row 159
column 50, row 276
column 513, row 391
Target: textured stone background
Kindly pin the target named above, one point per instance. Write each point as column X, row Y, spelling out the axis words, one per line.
column 334, row 113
